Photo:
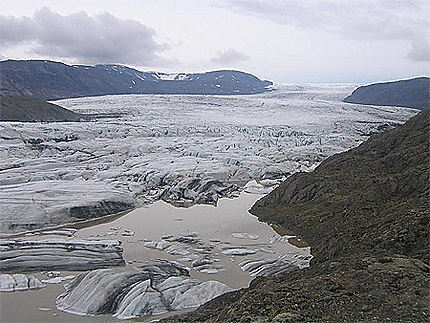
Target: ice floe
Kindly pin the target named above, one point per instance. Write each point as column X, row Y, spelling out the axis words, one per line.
column 51, row 254
column 208, row 265
column 155, row 288
column 245, row 235
column 57, row 280
column 15, row 282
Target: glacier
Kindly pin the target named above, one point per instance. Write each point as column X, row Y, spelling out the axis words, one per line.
column 183, row 149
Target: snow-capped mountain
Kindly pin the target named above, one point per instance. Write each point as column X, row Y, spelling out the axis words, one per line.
column 55, row 80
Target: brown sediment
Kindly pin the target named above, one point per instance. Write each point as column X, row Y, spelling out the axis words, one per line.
column 298, row 242
column 295, row 240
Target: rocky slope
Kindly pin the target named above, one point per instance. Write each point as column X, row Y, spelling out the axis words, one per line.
column 365, row 213
column 29, row 109
column 412, row 93
column 54, row 80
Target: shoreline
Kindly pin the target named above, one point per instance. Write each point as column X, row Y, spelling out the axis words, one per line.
column 73, row 225
column 112, row 217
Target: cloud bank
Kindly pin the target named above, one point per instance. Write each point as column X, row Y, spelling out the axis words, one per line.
column 364, row 20
column 81, row 38
column 229, row 57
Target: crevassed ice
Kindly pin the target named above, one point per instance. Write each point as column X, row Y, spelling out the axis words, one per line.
column 183, row 149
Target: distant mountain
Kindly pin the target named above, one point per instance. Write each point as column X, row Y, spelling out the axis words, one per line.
column 31, row 109
column 412, row 93
column 54, row 80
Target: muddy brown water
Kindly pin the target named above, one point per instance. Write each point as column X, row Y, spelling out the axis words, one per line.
column 152, row 222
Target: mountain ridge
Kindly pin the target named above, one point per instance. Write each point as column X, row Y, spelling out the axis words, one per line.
column 30, row 109
column 51, row 80
column 410, row 93
column 25, row 109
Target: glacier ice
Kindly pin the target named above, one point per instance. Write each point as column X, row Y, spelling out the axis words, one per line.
column 14, row 282
column 183, row 149
column 50, row 254
column 153, row 289
column 266, row 267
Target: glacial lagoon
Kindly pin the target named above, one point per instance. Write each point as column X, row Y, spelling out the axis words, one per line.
column 220, row 233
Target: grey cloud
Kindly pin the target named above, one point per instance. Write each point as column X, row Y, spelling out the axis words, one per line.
column 353, row 19
column 228, row 57
column 420, row 51
column 14, row 31
column 79, row 37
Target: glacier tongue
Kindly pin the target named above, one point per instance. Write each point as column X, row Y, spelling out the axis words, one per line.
column 178, row 148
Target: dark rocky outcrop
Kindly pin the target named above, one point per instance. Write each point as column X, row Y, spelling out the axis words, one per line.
column 26, row 109
column 365, row 214
column 54, row 80
column 29, row 109
column 373, row 198
column 412, row 93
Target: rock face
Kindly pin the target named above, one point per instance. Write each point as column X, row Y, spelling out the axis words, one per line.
column 365, row 214
column 54, row 80
column 153, row 289
column 30, row 109
column 413, row 93
column 65, row 254
column 379, row 188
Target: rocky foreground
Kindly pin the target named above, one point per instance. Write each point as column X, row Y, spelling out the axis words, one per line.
column 365, row 213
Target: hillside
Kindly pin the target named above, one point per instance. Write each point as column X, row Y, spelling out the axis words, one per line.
column 365, row 214
column 54, row 80
column 412, row 93
column 29, row 110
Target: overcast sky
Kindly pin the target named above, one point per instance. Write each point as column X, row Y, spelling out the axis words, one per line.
column 290, row 41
